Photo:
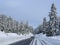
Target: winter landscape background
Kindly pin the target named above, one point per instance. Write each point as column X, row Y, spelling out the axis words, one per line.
column 33, row 21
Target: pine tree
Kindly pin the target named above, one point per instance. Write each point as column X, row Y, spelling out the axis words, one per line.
column 53, row 22
column 44, row 25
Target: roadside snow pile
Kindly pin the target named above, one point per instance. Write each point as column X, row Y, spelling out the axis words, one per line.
column 30, row 34
column 55, row 37
column 41, row 39
column 8, row 38
column 2, row 35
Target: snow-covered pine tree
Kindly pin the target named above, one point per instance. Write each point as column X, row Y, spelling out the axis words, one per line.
column 53, row 22
column 44, row 25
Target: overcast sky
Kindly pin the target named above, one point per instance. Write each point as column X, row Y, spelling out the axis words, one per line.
column 32, row 10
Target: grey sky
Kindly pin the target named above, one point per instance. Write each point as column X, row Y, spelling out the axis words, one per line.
column 32, row 10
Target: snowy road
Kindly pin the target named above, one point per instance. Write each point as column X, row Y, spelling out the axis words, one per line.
column 38, row 40
column 43, row 40
column 23, row 42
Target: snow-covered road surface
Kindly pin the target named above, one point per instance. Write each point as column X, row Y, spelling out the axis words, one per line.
column 39, row 39
column 43, row 40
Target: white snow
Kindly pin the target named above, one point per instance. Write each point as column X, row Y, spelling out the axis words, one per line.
column 55, row 37
column 41, row 39
column 8, row 38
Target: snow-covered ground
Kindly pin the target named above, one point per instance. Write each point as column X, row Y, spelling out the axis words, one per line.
column 8, row 38
column 55, row 37
column 41, row 39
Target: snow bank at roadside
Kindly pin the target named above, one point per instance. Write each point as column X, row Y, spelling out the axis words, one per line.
column 8, row 38
column 55, row 37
